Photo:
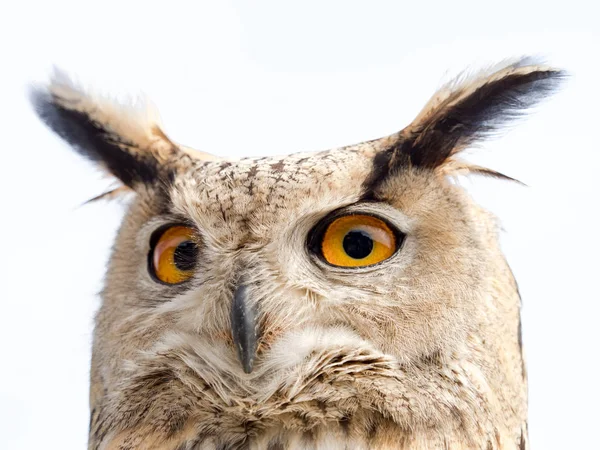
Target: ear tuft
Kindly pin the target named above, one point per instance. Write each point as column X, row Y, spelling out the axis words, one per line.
column 125, row 140
column 465, row 112
column 470, row 109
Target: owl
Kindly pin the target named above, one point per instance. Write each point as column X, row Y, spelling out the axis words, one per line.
column 355, row 298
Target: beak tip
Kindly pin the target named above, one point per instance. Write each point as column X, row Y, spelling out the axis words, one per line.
column 246, row 358
column 248, row 366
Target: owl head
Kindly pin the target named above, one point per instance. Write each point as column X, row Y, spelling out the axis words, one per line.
column 350, row 298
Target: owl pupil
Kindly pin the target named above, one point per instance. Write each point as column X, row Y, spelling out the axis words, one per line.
column 185, row 256
column 358, row 244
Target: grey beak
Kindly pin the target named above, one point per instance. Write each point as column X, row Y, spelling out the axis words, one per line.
column 243, row 328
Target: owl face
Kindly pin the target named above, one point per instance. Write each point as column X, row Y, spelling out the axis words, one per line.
column 315, row 249
column 270, row 299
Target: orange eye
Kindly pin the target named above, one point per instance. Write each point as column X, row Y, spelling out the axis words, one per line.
column 174, row 256
column 357, row 241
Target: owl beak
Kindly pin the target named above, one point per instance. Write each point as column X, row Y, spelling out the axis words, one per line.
column 243, row 328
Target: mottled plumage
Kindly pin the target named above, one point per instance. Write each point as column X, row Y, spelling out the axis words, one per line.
column 419, row 351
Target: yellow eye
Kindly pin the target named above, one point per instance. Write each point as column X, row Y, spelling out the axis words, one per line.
column 174, row 256
column 357, row 241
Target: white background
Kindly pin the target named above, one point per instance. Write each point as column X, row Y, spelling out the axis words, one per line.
column 266, row 77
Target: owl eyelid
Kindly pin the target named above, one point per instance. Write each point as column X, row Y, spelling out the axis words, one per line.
column 159, row 230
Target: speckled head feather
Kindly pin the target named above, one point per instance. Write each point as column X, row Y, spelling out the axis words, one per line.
column 267, row 344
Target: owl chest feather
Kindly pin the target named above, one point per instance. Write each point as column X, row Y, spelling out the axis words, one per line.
column 379, row 434
column 378, row 408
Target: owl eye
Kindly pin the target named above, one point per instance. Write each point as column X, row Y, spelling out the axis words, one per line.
column 173, row 255
column 356, row 240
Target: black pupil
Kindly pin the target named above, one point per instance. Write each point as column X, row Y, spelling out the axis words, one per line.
column 185, row 256
column 358, row 244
